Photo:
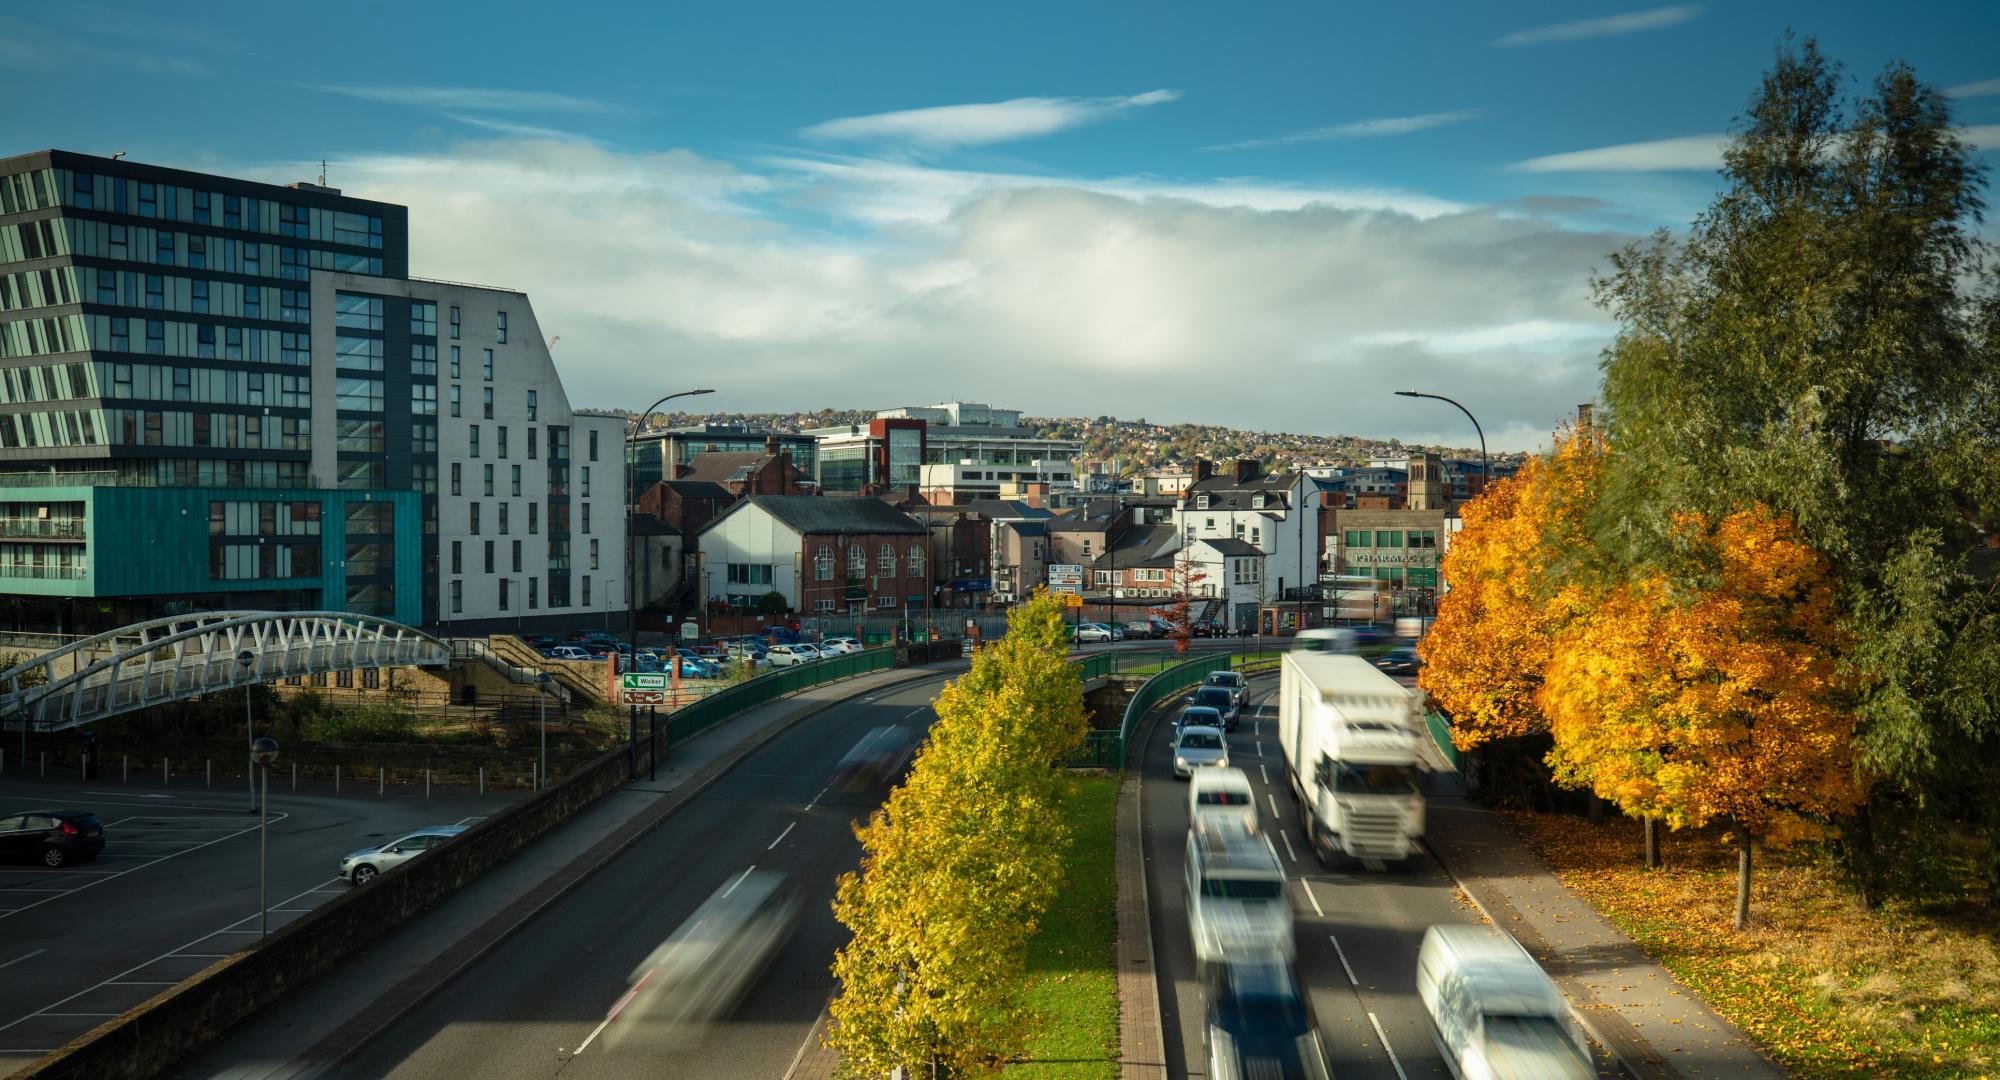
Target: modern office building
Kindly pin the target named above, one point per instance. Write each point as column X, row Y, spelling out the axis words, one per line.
column 220, row 393
column 954, row 452
column 884, row 454
column 659, row 455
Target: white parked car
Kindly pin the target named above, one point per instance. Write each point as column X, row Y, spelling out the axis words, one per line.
column 841, row 645
column 791, row 655
column 1198, row 747
column 360, row 867
column 1091, row 631
column 1494, row 1012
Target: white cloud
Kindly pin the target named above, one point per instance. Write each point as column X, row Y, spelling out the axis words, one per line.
column 1690, row 152
column 1608, row 26
column 508, row 127
column 1247, row 306
column 472, row 98
column 1361, row 129
column 1982, row 88
column 980, row 124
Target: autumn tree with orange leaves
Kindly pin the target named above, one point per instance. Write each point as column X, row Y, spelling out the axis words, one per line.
column 1726, row 705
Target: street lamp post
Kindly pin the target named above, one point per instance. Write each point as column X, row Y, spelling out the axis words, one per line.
column 247, row 660
column 631, row 523
column 1485, row 469
column 262, row 753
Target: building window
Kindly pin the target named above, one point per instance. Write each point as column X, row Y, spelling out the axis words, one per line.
column 486, row 402
column 357, row 312
column 1388, row 538
column 486, row 363
column 586, row 590
column 857, row 561
column 517, row 480
column 503, row 517
column 823, row 607
column 489, row 480
column 1201, row 502
column 1357, row 538
column 500, row 327
column 586, row 518
column 454, row 334
column 457, row 596
column 531, row 444
column 885, row 601
column 456, row 478
column 885, row 561
column 424, row 400
column 454, row 361
column 458, row 556
column 534, row 518
column 423, row 319
column 473, row 509
column 454, row 397
column 531, row 405
column 489, row 556
column 503, row 593
column 472, row 440
column 593, row 554
column 750, row 574
column 916, row 560
column 534, row 595
column 583, row 481
column 593, row 445
column 517, row 556
column 501, row 445
column 823, row 563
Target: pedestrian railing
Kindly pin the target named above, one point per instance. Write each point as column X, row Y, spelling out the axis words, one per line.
column 686, row 721
column 1440, row 729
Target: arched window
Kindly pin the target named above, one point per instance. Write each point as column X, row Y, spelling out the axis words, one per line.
column 857, row 561
column 885, row 561
column 823, row 563
column 916, row 560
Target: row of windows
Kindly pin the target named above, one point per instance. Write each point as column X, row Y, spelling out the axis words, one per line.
column 66, row 427
column 558, row 513
column 197, row 296
column 161, row 337
column 558, row 552
column 857, row 561
column 558, row 447
column 204, row 472
column 244, row 518
column 40, row 337
column 558, row 593
column 50, row 382
column 87, row 191
column 1383, row 538
column 43, row 561
column 21, row 192
column 242, row 562
column 1415, row 576
column 37, row 288
column 211, row 386
column 26, row 240
column 219, row 431
column 164, row 247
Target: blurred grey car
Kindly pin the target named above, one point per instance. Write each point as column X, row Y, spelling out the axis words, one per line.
column 702, row 970
column 360, row 867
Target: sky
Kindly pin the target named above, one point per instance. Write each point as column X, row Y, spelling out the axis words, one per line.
column 1263, row 216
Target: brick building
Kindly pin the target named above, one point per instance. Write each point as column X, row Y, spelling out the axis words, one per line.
column 823, row 555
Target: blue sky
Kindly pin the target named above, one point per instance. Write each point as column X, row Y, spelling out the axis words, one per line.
column 1261, row 216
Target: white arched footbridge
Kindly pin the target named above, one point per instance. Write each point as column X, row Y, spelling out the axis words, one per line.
column 190, row 655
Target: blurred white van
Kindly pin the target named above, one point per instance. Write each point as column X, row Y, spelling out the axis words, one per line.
column 1494, row 1013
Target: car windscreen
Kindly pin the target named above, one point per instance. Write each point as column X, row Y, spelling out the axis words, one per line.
column 1201, row 740
column 1223, row 797
column 1353, row 779
column 1215, row 697
column 1531, row 1048
column 1200, row 716
column 1236, row 888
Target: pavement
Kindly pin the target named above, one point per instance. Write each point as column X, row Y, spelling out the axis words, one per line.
column 520, row 972
column 1656, row 1026
column 176, row 887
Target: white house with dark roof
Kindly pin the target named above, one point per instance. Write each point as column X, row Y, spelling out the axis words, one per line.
column 824, row 555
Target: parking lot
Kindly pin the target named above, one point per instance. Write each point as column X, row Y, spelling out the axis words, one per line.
column 175, row 889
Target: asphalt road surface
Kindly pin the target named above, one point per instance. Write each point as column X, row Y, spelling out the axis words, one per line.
column 1357, row 930
column 175, row 889
column 538, row 1005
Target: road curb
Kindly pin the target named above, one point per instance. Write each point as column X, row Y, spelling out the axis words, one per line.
column 330, row 1052
column 1138, row 971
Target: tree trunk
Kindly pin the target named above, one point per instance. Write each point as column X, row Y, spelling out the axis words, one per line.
column 1596, row 809
column 1743, row 879
column 1652, row 843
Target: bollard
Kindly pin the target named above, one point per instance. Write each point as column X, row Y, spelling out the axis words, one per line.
column 427, row 783
column 42, row 758
column 482, row 780
column 381, row 777
column 336, row 779
column 124, row 768
column 208, row 773
column 295, row 776
column 165, row 773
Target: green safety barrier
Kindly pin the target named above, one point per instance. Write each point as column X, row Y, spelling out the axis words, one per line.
column 698, row 716
column 1441, row 735
column 1171, row 680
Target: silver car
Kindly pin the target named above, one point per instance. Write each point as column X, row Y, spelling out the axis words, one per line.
column 704, row 968
column 1198, row 747
column 360, row 867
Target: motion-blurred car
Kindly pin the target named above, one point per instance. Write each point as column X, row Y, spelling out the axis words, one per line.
column 877, row 760
column 1221, row 792
column 1370, row 634
column 361, row 867
column 1197, row 747
column 1232, row 681
column 1401, row 660
column 1260, row 1025
column 702, row 970
column 54, row 838
column 1494, row 1012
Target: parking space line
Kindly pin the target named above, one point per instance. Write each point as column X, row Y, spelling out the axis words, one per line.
column 18, row 959
column 99, row 1015
column 187, row 956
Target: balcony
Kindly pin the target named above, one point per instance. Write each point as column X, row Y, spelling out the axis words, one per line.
column 41, row 529
column 46, row 572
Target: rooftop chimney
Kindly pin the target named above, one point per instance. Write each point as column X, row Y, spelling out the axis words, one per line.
column 1203, row 469
column 1583, row 416
column 1247, row 470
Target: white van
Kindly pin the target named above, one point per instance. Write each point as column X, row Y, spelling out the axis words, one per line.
column 1223, row 791
column 1494, row 1013
column 1236, row 904
column 1331, row 639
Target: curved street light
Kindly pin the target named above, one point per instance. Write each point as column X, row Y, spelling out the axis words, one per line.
column 1485, row 469
column 632, row 563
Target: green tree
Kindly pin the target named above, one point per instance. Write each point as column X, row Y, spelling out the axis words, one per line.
column 959, row 865
column 1812, row 346
column 773, row 603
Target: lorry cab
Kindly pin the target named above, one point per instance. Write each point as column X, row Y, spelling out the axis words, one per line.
column 1236, row 903
column 1494, row 1013
column 1353, row 756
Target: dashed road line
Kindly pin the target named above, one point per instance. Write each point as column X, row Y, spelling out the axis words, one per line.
column 27, row 956
column 1400, row 1074
column 1274, row 806
column 781, row 836
column 1289, row 849
column 1308, row 886
column 1349, row 968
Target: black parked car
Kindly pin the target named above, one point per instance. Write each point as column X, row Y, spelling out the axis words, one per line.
column 51, row 837
column 1205, row 628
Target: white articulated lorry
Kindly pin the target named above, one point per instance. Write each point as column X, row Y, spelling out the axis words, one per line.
column 1349, row 735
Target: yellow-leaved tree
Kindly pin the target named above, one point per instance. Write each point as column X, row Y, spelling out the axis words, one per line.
column 960, row 864
column 1721, row 703
column 1483, row 658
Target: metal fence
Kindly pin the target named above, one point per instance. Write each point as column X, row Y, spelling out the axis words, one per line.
column 684, row 722
column 1171, row 680
column 1441, row 735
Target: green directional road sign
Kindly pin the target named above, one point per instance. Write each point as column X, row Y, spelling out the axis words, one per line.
column 643, row 682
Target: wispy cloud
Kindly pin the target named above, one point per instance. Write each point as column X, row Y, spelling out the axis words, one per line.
column 1658, row 155
column 25, row 45
column 473, row 99
column 1359, row 129
column 514, row 130
column 1608, row 26
column 979, row 124
column 1982, row 88
column 1526, row 335
column 1687, row 153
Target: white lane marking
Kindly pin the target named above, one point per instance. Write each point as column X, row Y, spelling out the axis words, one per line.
column 138, row 982
column 740, row 879
column 915, row 711
column 150, row 860
column 1317, row 910
column 1289, row 849
column 99, row 1015
column 816, row 798
column 1342, row 953
column 18, row 959
column 470, row 820
column 1400, row 1074
column 1264, row 772
column 781, row 837
column 1257, row 728
column 1274, row 805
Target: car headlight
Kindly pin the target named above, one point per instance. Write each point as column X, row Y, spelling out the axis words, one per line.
column 1180, row 762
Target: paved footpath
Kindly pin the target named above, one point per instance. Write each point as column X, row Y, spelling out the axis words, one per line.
column 1633, row 1006
column 312, row 1029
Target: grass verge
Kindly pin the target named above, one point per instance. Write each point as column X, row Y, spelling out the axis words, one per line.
column 1072, row 973
column 1827, row 989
